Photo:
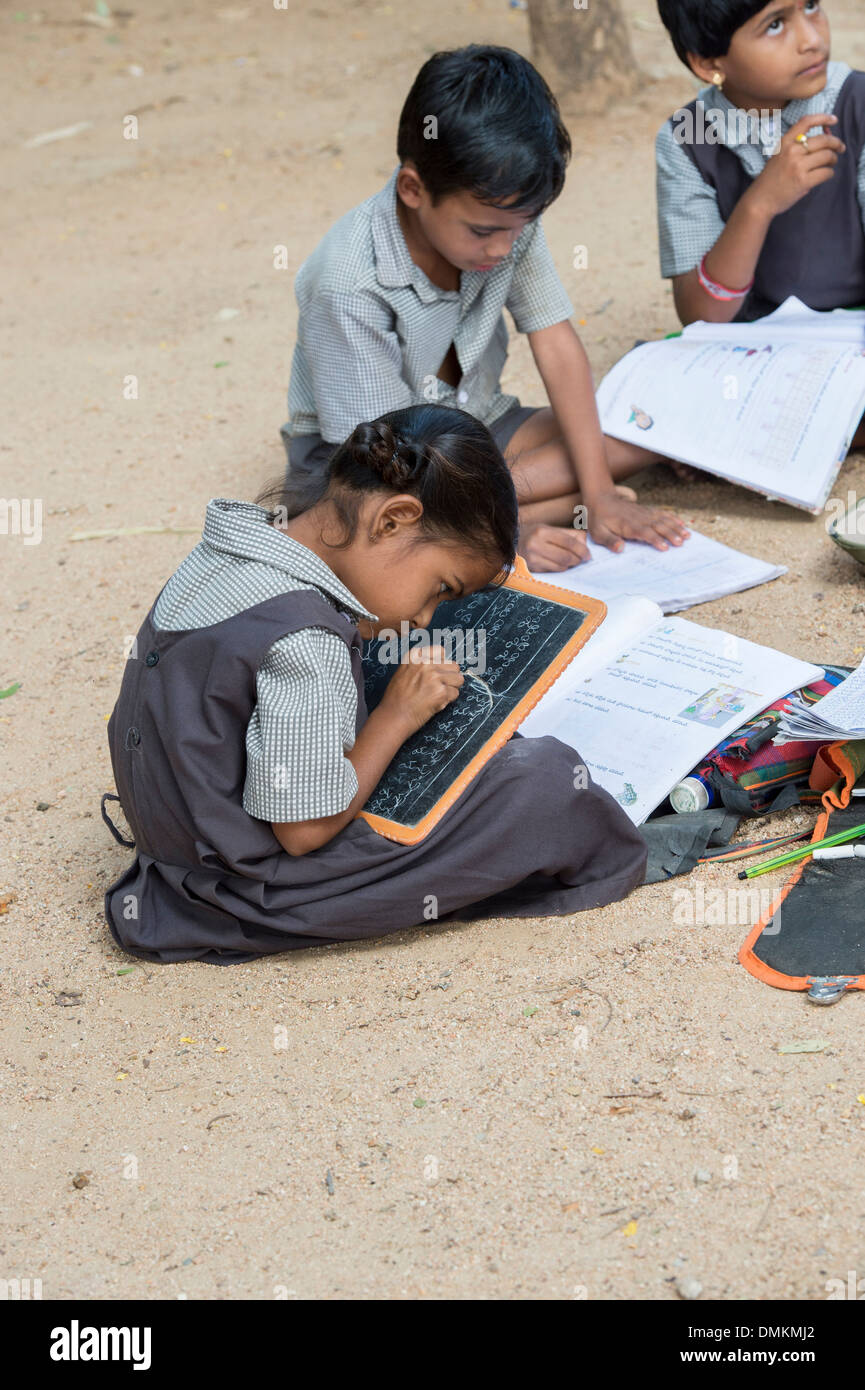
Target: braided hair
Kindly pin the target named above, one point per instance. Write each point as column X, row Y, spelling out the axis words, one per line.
column 442, row 456
column 396, row 461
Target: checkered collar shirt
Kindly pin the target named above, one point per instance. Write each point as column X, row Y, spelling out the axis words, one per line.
column 394, row 267
column 689, row 222
column 242, row 532
column 373, row 329
column 735, row 133
column 303, row 723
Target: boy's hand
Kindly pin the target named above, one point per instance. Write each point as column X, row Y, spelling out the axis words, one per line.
column 797, row 167
column 421, row 687
column 552, row 548
column 614, row 518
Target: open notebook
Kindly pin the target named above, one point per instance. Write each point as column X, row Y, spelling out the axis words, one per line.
column 649, row 696
column 771, row 405
column 697, row 571
column 840, row 715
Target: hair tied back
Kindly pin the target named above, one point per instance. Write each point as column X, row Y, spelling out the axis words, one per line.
column 409, row 462
column 398, row 462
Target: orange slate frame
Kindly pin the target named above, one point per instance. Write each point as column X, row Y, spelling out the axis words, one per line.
column 832, row 801
column 521, row 580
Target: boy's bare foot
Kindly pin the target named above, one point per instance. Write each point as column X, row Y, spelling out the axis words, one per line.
column 683, row 471
column 624, row 458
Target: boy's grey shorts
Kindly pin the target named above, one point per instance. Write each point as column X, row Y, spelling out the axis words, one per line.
column 309, row 453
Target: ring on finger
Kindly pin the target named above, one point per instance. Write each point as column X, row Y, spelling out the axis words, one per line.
column 803, row 141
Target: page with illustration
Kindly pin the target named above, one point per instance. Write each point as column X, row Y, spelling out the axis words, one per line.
column 771, row 414
column 645, row 720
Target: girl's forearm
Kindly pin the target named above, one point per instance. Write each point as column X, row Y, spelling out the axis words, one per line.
column 731, row 263
column 381, row 737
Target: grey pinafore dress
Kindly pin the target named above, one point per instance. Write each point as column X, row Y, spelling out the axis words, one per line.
column 209, row 882
column 816, row 249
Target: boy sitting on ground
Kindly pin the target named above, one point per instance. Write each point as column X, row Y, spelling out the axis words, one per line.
column 402, row 303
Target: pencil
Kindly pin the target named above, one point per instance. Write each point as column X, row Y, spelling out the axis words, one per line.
column 795, row 854
column 743, row 850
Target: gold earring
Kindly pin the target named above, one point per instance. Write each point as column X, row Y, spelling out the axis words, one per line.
column 718, row 80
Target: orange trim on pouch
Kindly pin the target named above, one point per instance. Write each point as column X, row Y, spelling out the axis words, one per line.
column 835, row 798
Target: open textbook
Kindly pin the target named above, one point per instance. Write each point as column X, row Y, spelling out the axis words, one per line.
column 697, row 571
column 649, row 696
column 771, row 405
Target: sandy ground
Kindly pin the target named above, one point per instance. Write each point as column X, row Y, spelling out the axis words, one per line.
column 416, row 1117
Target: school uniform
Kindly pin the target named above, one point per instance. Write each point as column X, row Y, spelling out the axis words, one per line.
column 242, row 697
column 707, row 159
column 373, row 331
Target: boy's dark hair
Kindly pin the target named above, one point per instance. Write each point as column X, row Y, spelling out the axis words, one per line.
column 705, row 27
column 496, row 131
column 444, row 457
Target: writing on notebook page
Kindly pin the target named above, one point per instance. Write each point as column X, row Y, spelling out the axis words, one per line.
column 781, row 430
column 764, row 397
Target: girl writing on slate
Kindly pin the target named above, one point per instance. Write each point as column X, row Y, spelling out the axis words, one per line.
column 241, row 745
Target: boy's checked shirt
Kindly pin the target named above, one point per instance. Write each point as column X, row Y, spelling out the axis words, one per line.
column 689, row 222
column 373, row 330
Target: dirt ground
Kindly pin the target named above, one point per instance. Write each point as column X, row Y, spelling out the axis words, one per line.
column 416, row 1117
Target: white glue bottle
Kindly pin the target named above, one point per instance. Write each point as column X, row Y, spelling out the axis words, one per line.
column 692, row 794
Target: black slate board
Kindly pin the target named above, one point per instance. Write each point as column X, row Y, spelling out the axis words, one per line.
column 523, row 634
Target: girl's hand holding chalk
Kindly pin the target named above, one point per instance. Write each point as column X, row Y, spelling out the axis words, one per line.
column 422, row 686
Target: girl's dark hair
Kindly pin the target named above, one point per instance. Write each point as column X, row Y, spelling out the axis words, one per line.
column 482, row 120
column 705, row 27
column 442, row 456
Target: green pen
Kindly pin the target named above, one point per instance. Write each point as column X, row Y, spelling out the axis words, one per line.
column 795, row 854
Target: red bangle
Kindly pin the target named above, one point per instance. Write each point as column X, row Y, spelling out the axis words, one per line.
column 716, row 290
